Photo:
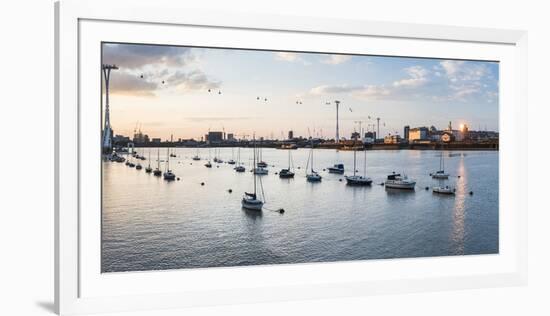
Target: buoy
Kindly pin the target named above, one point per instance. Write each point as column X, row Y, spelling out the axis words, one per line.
column 202, row 183
column 230, row 191
column 190, row 163
column 382, row 183
column 217, row 166
column 178, row 179
column 459, row 176
column 281, row 210
column 471, row 192
column 276, row 173
column 427, row 188
column 340, row 180
column 298, row 167
column 324, row 169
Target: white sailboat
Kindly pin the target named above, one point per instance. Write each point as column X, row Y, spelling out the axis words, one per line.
column 251, row 201
column 287, row 173
column 208, row 164
column 440, row 174
column 239, row 167
column 197, row 157
column 168, row 174
column 149, row 169
column 357, row 179
column 157, row 171
column 232, row 161
column 312, row 175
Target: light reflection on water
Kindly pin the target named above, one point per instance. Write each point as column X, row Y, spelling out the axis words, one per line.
column 150, row 224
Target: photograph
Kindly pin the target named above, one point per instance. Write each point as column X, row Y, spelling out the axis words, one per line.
column 218, row 157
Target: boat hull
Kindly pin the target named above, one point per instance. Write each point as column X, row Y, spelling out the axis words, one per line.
column 400, row 185
column 358, row 181
column 253, row 205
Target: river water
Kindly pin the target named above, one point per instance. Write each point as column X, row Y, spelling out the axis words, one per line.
column 152, row 224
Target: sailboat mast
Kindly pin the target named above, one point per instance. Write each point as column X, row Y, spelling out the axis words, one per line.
column 158, row 158
column 365, row 164
column 168, row 159
column 354, row 160
column 149, row 157
column 254, row 166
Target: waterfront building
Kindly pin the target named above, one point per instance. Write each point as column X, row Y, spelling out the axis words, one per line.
column 214, row 137
column 392, row 139
column 355, row 135
column 230, row 136
column 406, row 130
column 418, row 133
column 156, row 140
column 290, row 135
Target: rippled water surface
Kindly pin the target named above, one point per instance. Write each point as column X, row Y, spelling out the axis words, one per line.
column 151, row 224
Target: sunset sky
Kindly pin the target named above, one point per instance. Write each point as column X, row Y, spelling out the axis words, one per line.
column 401, row 91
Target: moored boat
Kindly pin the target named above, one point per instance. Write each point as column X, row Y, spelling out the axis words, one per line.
column 397, row 181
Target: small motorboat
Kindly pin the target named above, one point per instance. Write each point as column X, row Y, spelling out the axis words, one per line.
column 208, row 164
column 443, row 190
column 196, row 158
column 337, row 168
column 139, row 166
column 231, row 162
column 397, row 181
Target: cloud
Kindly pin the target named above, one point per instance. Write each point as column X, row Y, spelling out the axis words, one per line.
column 192, row 81
column 134, row 56
column 417, row 77
column 128, row 84
column 465, row 78
column 291, row 57
column 218, row 118
column 364, row 92
column 145, row 69
column 329, row 89
column 336, row 59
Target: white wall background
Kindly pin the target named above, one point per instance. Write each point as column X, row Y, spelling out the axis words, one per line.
column 26, row 157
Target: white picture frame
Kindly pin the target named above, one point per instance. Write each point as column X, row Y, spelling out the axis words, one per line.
column 80, row 287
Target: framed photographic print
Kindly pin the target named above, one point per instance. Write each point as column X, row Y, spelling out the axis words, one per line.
column 213, row 158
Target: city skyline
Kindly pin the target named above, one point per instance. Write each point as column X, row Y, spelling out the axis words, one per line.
column 165, row 91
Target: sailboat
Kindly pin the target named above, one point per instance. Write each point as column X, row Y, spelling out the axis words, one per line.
column 138, row 165
column 356, row 179
column 157, row 171
column 197, row 157
column 287, row 173
column 239, row 167
column 231, row 161
column 168, row 174
column 208, row 164
column 130, row 162
column 149, row 169
column 440, row 174
column 261, row 163
column 312, row 176
column 250, row 201
column 217, row 158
